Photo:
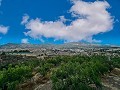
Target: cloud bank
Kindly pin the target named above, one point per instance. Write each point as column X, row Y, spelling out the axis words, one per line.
column 92, row 18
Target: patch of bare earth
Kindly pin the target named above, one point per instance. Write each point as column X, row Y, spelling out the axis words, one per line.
column 112, row 80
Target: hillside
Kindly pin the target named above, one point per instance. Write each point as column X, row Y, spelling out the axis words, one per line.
column 66, row 46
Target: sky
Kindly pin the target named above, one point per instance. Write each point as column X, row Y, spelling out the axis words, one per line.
column 60, row 21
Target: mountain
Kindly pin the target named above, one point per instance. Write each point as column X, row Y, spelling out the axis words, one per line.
column 25, row 46
column 83, row 45
column 66, row 45
column 13, row 46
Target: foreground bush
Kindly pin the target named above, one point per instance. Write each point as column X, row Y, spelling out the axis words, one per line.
column 77, row 74
column 14, row 75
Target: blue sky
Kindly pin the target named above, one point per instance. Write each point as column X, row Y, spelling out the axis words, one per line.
column 60, row 13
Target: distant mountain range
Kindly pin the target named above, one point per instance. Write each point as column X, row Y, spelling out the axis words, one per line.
column 66, row 45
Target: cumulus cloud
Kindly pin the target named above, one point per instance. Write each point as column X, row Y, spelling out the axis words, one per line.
column 3, row 29
column 92, row 18
column 25, row 40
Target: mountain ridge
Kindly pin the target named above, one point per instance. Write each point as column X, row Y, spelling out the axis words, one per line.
column 65, row 45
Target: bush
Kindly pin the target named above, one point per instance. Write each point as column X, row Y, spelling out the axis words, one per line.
column 79, row 72
column 14, row 75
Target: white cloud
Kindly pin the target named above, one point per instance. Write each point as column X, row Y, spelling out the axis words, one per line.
column 3, row 29
column 92, row 19
column 25, row 40
column 25, row 19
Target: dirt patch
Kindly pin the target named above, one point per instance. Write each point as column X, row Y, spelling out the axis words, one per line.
column 112, row 80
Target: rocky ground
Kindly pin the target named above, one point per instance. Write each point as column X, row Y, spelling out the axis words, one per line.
column 110, row 81
column 47, row 86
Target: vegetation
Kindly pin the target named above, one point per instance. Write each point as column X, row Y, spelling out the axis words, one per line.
column 66, row 72
column 21, row 51
column 13, row 75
